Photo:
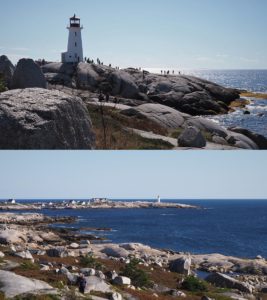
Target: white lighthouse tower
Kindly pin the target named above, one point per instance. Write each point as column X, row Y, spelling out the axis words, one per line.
column 75, row 47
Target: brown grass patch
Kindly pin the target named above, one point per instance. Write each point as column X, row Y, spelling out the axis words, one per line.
column 117, row 138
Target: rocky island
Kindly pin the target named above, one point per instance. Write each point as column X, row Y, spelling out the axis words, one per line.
column 92, row 204
column 56, row 106
column 46, row 262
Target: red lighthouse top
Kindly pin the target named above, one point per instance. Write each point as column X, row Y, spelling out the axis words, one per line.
column 74, row 21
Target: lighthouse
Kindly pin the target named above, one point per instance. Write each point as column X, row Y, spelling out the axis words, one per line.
column 75, row 47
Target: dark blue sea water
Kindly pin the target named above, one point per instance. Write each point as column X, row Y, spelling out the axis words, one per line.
column 228, row 227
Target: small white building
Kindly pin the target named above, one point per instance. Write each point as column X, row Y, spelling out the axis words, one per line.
column 75, row 47
column 159, row 200
column 12, row 201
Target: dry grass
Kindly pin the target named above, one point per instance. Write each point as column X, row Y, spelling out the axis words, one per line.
column 117, row 138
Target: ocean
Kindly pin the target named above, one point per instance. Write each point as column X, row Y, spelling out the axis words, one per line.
column 250, row 80
column 230, row 227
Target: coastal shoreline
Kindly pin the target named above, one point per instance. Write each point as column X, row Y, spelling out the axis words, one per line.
column 41, row 244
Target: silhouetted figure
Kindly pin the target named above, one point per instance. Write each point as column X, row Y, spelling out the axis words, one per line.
column 168, row 72
column 81, row 283
column 101, row 97
column 143, row 74
column 107, row 97
column 179, row 72
column 161, row 72
column 116, row 100
column 173, row 72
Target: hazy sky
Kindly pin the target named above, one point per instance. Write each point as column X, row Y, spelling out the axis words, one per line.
column 146, row 33
column 131, row 174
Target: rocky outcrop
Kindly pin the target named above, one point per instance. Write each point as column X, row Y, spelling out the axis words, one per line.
column 42, row 119
column 28, row 75
column 6, row 69
column 11, row 236
column 186, row 93
column 163, row 115
column 12, row 285
column 192, row 137
column 225, row 281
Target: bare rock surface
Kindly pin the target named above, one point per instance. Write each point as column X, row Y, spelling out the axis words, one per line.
column 28, row 75
column 186, row 93
column 225, row 281
column 12, row 285
column 41, row 119
column 163, row 115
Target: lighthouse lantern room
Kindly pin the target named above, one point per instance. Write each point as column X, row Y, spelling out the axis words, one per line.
column 75, row 47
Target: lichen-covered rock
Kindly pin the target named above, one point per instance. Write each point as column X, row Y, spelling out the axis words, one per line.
column 41, row 119
column 28, row 75
column 6, row 69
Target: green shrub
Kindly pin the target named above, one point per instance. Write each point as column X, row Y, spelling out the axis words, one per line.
column 28, row 265
column 90, row 262
column 194, row 284
column 138, row 276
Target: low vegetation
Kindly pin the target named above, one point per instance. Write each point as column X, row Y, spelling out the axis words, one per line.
column 138, row 276
column 111, row 131
column 193, row 284
column 90, row 262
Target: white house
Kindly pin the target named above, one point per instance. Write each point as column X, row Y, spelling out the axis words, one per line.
column 12, row 201
column 75, row 47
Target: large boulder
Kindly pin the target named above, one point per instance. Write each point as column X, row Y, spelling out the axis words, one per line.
column 225, row 281
column 122, row 280
column 181, row 265
column 163, row 115
column 42, row 119
column 11, row 236
column 97, row 284
column 192, row 137
column 57, row 252
column 6, row 69
column 28, row 74
column 115, row 251
column 12, row 285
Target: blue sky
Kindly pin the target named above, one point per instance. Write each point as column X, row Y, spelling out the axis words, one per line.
column 133, row 174
column 148, row 33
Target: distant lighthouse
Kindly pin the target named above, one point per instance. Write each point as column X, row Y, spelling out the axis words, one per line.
column 75, row 47
column 159, row 200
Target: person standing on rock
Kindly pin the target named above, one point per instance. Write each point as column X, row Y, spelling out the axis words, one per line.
column 107, row 97
column 82, row 283
column 101, row 97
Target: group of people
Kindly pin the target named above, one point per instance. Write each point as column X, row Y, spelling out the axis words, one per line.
column 106, row 97
column 168, row 72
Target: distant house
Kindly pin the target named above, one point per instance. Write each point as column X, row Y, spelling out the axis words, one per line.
column 73, row 202
column 11, row 201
